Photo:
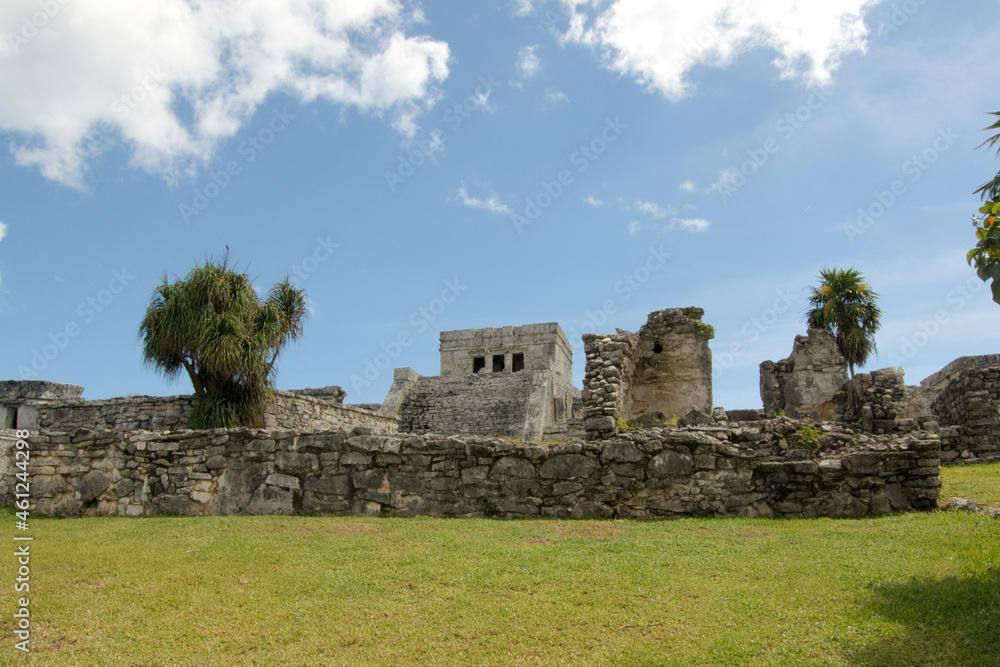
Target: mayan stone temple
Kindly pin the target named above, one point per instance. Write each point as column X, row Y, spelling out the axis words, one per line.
column 503, row 432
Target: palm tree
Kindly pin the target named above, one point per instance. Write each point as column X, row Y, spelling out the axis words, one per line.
column 845, row 305
column 991, row 189
column 213, row 325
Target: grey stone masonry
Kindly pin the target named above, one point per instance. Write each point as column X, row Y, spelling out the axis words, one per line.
column 498, row 404
column 969, row 410
column 946, row 374
column 673, row 370
column 880, row 402
column 666, row 368
column 168, row 413
column 542, row 347
column 807, row 382
column 332, row 394
column 505, row 381
column 770, row 468
column 21, row 399
column 608, row 381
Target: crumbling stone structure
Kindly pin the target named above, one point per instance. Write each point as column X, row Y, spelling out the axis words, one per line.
column 807, row 382
column 881, row 402
column 961, row 401
column 20, row 400
column 666, row 368
column 55, row 407
column 969, row 409
column 772, row 468
column 878, row 449
column 505, row 381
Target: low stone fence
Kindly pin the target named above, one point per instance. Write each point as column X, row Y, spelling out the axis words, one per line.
column 288, row 410
column 773, row 468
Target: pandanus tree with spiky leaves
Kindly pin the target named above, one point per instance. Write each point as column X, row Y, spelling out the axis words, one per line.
column 845, row 305
column 213, row 325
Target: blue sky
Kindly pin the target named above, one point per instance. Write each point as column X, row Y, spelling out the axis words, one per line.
column 435, row 166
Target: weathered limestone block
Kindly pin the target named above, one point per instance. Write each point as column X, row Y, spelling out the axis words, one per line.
column 807, row 382
column 621, row 451
column 269, row 499
column 92, row 485
column 670, row 464
column 568, row 466
column 673, row 372
column 512, row 467
column 296, row 463
column 592, row 510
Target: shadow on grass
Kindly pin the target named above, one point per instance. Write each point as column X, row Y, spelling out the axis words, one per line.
column 951, row 621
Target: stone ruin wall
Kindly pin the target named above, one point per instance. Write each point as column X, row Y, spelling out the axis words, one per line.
column 961, row 402
column 607, row 382
column 673, row 370
column 807, row 382
column 497, row 404
column 881, row 402
column 503, row 381
column 20, row 400
column 766, row 469
column 969, row 409
column 665, row 368
column 289, row 410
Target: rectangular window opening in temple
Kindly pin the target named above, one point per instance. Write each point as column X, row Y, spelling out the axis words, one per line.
column 517, row 363
column 498, row 364
column 478, row 364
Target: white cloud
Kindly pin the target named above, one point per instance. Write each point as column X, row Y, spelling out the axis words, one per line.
column 553, row 96
column 593, row 201
column 528, row 62
column 726, row 181
column 482, row 101
column 524, row 7
column 696, row 225
column 688, row 186
column 172, row 78
column 491, row 204
column 658, row 43
column 654, row 210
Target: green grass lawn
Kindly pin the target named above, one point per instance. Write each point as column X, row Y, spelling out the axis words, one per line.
column 976, row 482
column 914, row 589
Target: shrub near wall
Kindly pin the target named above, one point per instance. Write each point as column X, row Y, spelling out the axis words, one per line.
column 763, row 470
